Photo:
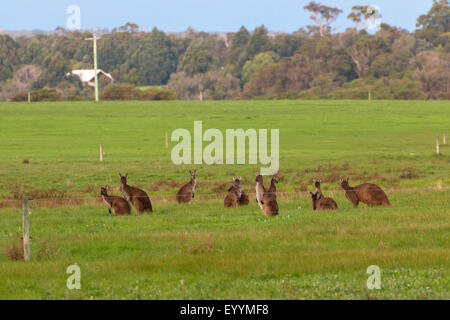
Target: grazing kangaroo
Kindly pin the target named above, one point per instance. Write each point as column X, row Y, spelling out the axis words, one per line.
column 136, row 196
column 186, row 192
column 120, row 205
column 234, row 194
column 319, row 202
column 368, row 193
column 266, row 200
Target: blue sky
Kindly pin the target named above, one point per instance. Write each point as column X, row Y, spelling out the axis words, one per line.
column 205, row 15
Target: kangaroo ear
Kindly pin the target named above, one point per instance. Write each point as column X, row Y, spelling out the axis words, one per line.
column 126, row 175
column 239, row 178
column 348, row 178
column 120, row 175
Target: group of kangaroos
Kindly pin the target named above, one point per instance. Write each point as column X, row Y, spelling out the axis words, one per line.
column 368, row 193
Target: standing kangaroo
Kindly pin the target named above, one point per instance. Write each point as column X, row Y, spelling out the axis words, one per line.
column 266, row 200
column 120, row 205
column 317, row 185
column 368, row 193
column 260, row 190
column 136, row 196
column 321, row 203
column 273, row 187
column 234, row 194
column 186, row 192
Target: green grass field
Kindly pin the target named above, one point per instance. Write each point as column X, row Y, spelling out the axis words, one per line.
column 202, row 250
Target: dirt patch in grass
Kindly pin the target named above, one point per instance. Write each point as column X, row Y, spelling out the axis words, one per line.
column 14, row 249
column 48, row 250
column 408, row 173
column 200, row 244
column 10, row 204
column 303, row 186
column 165, row 185
column 221, row 187
column 39, row 194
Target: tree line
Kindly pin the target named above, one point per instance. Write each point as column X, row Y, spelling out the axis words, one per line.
column 312, row 63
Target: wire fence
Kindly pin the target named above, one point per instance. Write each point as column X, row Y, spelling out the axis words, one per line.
column 216, row 195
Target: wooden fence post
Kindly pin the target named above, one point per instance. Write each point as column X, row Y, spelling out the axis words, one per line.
column 437, row 145
column 26, row 230
column 167, row 140
column 101, row 151
column 29, row 97
column 370, row 95
column 444, row 141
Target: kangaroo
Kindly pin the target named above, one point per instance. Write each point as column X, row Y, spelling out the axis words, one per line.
column 266, row 200
column 234, row 194
column 317, row 185
column 273, row 187
column 243, row 197
column 321, row 203
column 186, row 192
column 136, row 196
column 260, row 190
column 368, row 193
column 120, row 205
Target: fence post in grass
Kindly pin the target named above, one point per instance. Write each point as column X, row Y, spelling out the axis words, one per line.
column 29, row 97
column 26, row 229
column 370, row 95
column 444, row 141
column 167, row 140
column 101, row 151
column 437, row 145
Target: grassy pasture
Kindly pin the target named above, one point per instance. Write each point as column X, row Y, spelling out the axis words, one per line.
column 204, row 250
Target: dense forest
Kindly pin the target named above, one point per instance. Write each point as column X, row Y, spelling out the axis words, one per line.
column 311, row 63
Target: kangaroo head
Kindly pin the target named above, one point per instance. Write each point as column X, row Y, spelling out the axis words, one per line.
column 317, row 183
column 314, row 198
column 123, row 179
column 192, row 173
column 259, row 178
column 237, row 179
column 104, row 191
column 236, row 184
column 344, row 183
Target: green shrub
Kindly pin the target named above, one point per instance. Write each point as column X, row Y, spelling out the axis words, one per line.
column 153, row 93
column 114, row 91
column 127, row 91
column 43, row 94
